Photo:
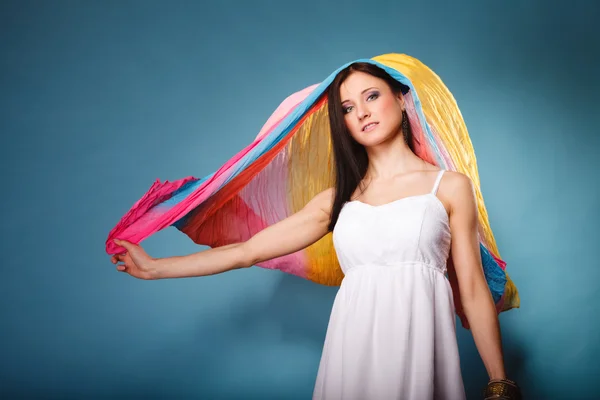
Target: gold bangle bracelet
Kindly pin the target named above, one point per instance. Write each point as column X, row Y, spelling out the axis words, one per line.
column 502, row 389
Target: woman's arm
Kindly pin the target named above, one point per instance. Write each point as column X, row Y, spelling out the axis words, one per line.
column 475, row 295
column 287, row 236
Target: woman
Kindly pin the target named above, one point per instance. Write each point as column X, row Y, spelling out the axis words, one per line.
column 397, row 220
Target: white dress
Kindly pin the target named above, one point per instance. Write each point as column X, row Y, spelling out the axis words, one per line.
column 392, row 333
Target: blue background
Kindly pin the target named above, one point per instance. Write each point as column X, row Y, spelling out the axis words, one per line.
column 100, row 98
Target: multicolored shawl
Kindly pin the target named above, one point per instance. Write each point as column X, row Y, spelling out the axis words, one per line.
column 291, row 160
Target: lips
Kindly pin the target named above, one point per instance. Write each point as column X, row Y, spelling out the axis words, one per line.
column 370, row 126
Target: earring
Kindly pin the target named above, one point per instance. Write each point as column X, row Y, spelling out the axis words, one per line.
column 405, row 126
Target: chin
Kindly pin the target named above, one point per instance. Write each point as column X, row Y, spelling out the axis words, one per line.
column 373, row 139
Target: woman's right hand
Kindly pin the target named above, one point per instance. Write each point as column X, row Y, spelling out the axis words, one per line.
column 136, row 262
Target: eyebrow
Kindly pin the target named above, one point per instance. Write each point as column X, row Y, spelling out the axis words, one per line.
column 367, row 89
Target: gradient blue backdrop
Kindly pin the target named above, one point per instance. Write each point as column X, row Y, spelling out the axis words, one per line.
column 100, row 98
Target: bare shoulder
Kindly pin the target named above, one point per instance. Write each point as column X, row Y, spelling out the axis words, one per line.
column 457, row 189
column 457, row 182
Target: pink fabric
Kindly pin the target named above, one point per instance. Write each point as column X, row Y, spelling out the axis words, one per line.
column 144, row 218
column 284, row 109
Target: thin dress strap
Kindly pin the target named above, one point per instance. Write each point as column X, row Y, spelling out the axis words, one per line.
column 437, row 182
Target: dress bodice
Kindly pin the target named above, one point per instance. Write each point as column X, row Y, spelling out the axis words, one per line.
column 408, row 230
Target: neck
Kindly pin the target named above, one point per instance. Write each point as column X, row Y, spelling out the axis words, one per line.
column 391, row 159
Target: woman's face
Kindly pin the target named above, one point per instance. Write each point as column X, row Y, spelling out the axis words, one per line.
column 372, row 112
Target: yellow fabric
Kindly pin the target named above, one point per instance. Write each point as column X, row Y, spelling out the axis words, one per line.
column 443, row 115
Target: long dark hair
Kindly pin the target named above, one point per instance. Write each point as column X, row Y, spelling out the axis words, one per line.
column 350, row 157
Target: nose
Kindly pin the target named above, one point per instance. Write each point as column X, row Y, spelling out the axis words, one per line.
column 362, row 112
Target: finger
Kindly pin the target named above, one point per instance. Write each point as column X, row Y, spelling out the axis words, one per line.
column 123, row 243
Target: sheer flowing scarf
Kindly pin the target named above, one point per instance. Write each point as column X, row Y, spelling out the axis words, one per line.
column 291, row 160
